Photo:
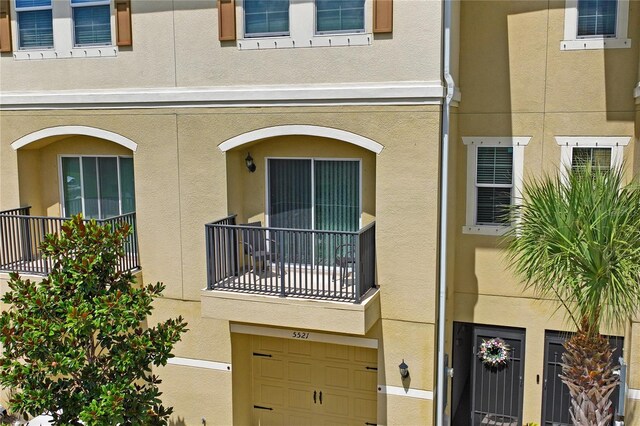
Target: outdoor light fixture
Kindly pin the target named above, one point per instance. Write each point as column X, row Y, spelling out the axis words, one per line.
column 404, row 369
column 251, row 166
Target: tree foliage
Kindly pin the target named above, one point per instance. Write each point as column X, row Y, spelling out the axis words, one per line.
column 76, row 344
column 578, row 240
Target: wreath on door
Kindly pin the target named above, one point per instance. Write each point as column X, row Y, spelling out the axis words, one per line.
column 494, row 352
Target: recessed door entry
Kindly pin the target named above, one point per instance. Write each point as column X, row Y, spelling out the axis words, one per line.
column 482, row 393
column 298, row 382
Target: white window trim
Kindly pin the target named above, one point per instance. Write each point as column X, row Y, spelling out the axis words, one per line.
column 472, row 142
column 567, row 143
column 63, row 36
column 573, row 42
column 302, row 33
column 80, row 157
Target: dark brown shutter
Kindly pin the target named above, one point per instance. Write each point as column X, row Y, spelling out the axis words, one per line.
column 382, row 16
column 5, row 26
column 226, row 20
column 123, row 23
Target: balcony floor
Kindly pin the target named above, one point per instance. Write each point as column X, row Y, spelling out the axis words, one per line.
column 299, row 281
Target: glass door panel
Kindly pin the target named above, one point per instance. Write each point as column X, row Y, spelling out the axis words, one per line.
column 290, row 206
column 108, row 184
column 127, row 185
column 90, row 185
column 336, row 207
column 71, row 186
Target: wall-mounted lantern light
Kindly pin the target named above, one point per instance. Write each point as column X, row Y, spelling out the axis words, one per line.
column 404, row 369
column 251, row 166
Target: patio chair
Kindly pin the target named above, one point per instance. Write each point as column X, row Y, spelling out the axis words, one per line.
column 345, row 257
column 262, row 251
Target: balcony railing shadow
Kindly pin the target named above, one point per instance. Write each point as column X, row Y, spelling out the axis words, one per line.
column 21, row 235
column 303, row 263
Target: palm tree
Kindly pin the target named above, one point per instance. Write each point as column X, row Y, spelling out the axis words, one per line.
column 577, row 240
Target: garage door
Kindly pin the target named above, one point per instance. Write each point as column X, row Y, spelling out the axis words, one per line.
column 297, row 382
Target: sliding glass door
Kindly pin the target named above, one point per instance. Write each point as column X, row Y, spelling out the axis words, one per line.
column 314, row 194
column 97, row 187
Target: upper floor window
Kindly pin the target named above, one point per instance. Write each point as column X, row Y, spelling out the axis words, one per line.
column 91, row 22
column 64, row 28
column 266, row 18
column 602, row 152
column 339, row 16
column 597, row 18
column 270, row 24
column 596, row 24
column 35, row 24
column 494, row 182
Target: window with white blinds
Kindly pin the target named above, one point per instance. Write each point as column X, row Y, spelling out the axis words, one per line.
column 35, row 24
column 57, row 29
column 596, row 24
column 495, row 168
column 597, row 158
column 264, row 18
column 494, row 185
column 339, row 16
column 91, row 22
column 597, row 18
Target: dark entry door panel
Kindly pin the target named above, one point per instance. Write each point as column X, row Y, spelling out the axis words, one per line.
column 555, row 394
column 497, row 391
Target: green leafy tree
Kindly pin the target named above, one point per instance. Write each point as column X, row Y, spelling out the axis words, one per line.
column 75, row 345
column 578, row 240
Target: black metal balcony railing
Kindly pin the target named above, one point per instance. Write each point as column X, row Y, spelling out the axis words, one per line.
column 21, row 235
column 332, row 265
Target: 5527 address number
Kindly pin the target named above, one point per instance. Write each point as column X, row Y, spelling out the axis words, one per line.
column 300, row 335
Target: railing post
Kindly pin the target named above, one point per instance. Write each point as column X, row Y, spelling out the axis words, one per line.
column 281, row 249
column 357, row 268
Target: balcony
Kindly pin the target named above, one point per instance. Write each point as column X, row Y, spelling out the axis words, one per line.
column 21, row 235
column 283, row 274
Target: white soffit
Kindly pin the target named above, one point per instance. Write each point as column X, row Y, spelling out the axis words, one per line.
column 74, row 130
column 304, row 130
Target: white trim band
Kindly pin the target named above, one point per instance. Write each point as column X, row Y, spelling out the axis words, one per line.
column 411, row 393
column 74, row 130
column 593, row 140
column 297, row 334
column 497, row 140
column 633, row 394
column 199, row 363
column 306, row 130
column 397, row 93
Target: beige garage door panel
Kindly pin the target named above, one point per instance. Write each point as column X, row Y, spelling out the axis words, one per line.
column 311, row 383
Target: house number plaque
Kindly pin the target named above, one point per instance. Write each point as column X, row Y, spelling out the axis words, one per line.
column 300, row 335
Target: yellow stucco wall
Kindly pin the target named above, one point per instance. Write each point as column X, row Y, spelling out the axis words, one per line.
column 184, row 181
column 516, row 81
column 166, row 52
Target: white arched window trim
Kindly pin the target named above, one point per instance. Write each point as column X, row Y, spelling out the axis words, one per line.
column 74, row 130
column 304, row 130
